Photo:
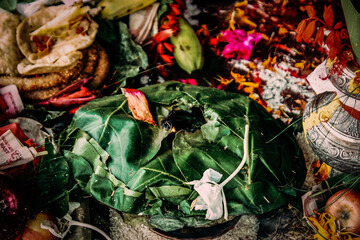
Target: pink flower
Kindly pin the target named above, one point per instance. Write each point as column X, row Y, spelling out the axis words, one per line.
column 190, row 81
column 240, row 44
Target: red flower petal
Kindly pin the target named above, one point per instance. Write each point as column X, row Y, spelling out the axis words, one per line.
column 160, row 49
column 181, row 3
column 163, row 35
column 169, row 46
column 338, row 25
column 83, row 92
column 175, row 9
column 167, row 58
column 309, row 31
column 319, row 38
column 300, row 30
column 170, row 22
column 213, row 42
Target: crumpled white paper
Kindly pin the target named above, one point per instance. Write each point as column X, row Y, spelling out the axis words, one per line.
column 212, row 196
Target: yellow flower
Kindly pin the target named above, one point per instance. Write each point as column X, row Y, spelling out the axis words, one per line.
column 325, row 227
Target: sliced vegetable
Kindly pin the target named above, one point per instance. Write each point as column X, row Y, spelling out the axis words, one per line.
column 120, row 8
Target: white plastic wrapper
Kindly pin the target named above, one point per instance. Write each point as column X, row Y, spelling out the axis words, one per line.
column 211, row 194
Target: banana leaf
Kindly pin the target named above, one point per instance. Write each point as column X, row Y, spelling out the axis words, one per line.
column 137, row 167
column 351, row 9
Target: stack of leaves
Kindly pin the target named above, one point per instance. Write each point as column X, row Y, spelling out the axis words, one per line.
column 137, row 167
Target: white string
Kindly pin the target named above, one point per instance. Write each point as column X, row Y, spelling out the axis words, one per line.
column 243, row 161
column 54, row 231
column 220, row 187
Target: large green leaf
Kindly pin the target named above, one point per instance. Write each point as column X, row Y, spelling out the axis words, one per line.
column 156, row 164
column 352, row 18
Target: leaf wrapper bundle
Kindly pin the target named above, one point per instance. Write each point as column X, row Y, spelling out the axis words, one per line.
column 137, row 167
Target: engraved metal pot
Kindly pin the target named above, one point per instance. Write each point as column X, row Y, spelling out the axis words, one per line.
column 331, row 119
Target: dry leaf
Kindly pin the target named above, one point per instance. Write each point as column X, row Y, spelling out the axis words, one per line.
column 328, row 16
column 300, row 30
column 338, row 25
column 138, row 105
column 309, row 31
column 319, row 38
column 310, row 11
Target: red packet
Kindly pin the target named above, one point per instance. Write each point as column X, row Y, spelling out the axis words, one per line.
column 16, row 130
column 11, row 97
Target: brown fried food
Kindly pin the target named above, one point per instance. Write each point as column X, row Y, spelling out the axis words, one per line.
column 94, row 63
column 45, row 80
column 32, row 83
column 40, row 95
column 102, row 68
